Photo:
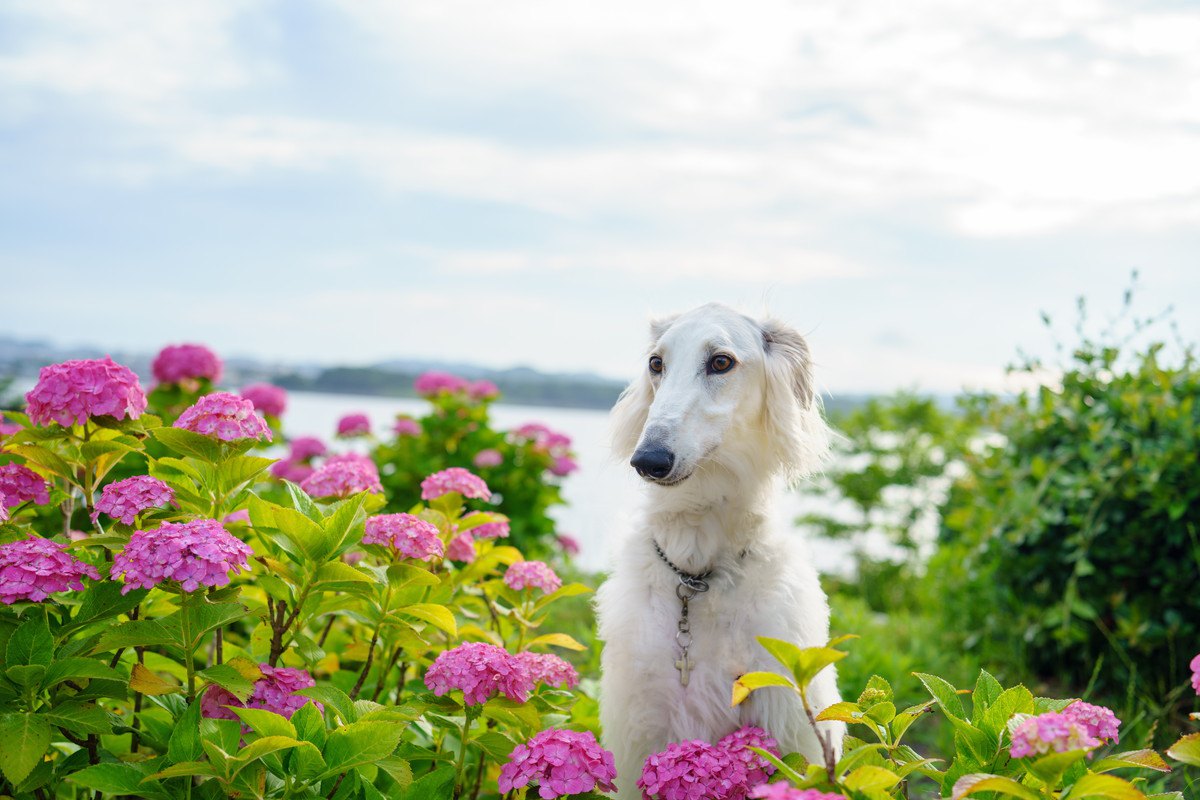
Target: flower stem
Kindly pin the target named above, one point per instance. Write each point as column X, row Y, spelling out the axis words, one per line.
column 189, row 657
column 469, row 714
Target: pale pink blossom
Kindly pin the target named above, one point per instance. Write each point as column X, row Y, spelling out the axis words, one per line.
column 454, row 479
column 487, row 458
column 559, row 763
column 480, row 671
column 73, row 392
column 267, row 398
column 33, row 569
column 186, row 362
column 530, row 575
column 354, row 425
column 224, row 416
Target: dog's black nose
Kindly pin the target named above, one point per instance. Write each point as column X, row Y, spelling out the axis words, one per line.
column 653, row 462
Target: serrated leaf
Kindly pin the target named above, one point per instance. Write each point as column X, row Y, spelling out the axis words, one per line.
column 437, row 615
column 557, row 640
column 869, row 778
column 137, row 633
column 31, row 643
column 111, row 778
column 1142, row 759
column 1187, row 750
column 103, row 600
column 332, row 697
column 78, row 717
column 844, row 711
column 747, row 683
column 230, row 678
column 980, row 782
column 1108, row 787
column 26, row 738
column 945, row 694
column 189, row 443
column 358, row 744
column 75, row 667
column 987, row 689
column 266, row 723
column 184, row 744
column 143, row 680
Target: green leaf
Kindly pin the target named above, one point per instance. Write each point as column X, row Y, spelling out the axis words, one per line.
column 309, row 724
column 1050, row 768
column 41, row 457
column 783, row 766
column 869, row 778
column 103, row 600
column 138, row 633
column 1142, row 759
column 203, row 617
column 438, row 783
column 144, row 680
column 438, row 616
column 265, row 746
column 883, row 713
column 359, row 744
column 1109, row 787
column 908, row 716
column 1017, row 700
column 31, row 643
column 498, row 746
column 1186, row 750
column 186, row 769
column 987, row 689
column 981, row 782
column 332, row 697
column 398, row 769
column 189, row 443
column 184, row 744
column 29, row 676
column 849, row 713
column 747, row 683
column 26, row 738
column 238, row 470
column 79, row 718
column 230, row 678
column 116, row 779
column 946, row 695
column 301, row 535
column 68, row 668
column 267, row 723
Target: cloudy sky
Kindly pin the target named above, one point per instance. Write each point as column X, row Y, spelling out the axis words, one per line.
column 527, row 181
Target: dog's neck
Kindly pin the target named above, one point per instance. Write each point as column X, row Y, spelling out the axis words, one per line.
column 709, row 522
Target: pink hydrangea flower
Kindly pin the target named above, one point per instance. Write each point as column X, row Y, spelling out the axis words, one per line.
column 32, row 569
column 275, row 691
column 480, row 671
column 433, row 383
column 532, row 574
column 569, row 544
column 196, row 553
column 488, row 458
column 8, row 428
column 271, row 400
column 454, row 479
column 410, row 536
column 559, row 763
column 758, row 769
column 1052, row 731
column 1097, row 721
column 72, row 392
column 19, row 483
column 496, row 527
column 483, row 390
column 462, row 548
column 224, row 416
column 289, row 470
column 692, row 770
column 563, row 466
column 544, row 439
column 406, row 426
column 342, row 477
column 549, row 669
column 1195, row 666
column 177, row 363
column 784, row 791
column 306, row 448
column 354, row 425
column 124, row 500
column 239, row 517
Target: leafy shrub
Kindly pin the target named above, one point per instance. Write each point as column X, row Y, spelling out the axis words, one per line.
column 1075, row 542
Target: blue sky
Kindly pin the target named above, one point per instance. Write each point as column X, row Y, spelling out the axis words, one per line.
column 526, row 182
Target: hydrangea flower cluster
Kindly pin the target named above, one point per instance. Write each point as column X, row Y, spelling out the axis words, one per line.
column 267, row 398
column 1097, row 721
column 410, row 536
column 532, row 574
column 434, row 383
column 239, row 517
column 1195, row 667
column 454, row 479
column 298, row 464
column 186, row 362
column 549, row 669
column 354, row 425
column 480, row 671
column 341, row 477
column 19, row 483
column 1045, row 733
column 406, row 426
column 124, row 500
column 758, row 769
column 33, row 569
column 496, row 527
column 487, row 458
column 563, row 466
column 691, row 770
column 544, row 438
column 73, row 392
column 483, row 390
column 225, row 416
column 783, row 791
column 196, row 553
column 275, row 691
column 461, row 548
column 559, row 763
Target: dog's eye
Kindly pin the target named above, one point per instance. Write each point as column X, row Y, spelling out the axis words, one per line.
column 720, row 363
column 656, row 365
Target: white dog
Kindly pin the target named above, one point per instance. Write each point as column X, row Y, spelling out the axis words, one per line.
column 724, row 408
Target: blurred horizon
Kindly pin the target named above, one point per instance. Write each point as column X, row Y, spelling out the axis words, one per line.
column 527, row 184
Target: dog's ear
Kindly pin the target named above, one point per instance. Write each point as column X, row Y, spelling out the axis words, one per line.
column 797, row 433
column 628, row 416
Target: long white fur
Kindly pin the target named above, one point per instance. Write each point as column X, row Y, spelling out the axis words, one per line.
column 734, row 436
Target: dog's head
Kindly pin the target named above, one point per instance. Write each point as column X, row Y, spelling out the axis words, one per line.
column 721, row 389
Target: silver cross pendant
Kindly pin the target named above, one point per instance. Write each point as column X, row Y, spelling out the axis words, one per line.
column 684, row 665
